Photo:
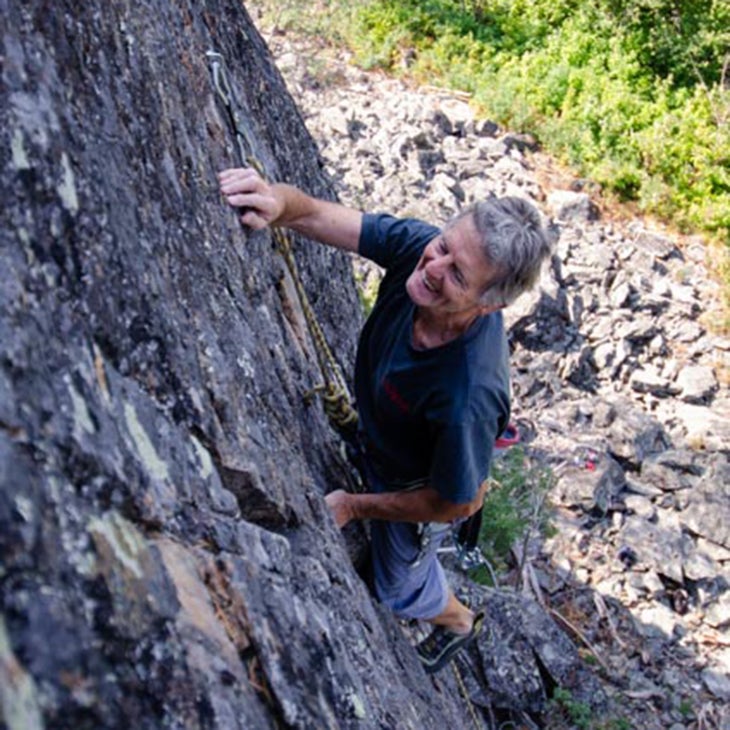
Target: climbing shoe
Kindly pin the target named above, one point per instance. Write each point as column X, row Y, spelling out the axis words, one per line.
column 440, row 646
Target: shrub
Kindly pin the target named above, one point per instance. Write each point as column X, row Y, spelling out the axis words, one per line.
column 630, row 92
column 515, row 505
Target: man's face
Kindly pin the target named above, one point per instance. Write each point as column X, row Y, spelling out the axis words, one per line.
column 452, row 272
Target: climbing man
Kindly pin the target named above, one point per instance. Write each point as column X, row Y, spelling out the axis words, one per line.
column 431, row 378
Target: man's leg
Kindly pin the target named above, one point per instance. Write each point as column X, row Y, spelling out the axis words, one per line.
column 456, row 617
column 411, row 584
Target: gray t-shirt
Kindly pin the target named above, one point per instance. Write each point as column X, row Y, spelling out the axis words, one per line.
column 426, row 414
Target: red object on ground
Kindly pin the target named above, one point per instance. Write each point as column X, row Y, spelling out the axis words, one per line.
column 509, row 437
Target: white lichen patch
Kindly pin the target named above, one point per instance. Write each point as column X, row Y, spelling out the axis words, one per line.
column 357, row 705
column 129, row 39
column 24, row 508
column 206, row 463
column 121, row 538
column 79, row 411
column 301, row 612
column 18, row 693
column 84, row 562
column 35, row 114
column 24, row 238
column 19, row 156
column 66, row 189
column 246, row 364
column 145, row 448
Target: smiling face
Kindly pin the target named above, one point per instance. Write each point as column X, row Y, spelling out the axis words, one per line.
column 451, row 275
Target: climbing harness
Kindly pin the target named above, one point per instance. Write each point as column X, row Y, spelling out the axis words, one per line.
column 333, row 391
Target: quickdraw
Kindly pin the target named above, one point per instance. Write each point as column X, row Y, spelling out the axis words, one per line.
column 334, row 394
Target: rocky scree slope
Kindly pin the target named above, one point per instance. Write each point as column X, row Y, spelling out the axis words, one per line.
column 620, row 384
column 167, row 560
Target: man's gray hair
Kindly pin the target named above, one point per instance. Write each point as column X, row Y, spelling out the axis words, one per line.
column 514, row 242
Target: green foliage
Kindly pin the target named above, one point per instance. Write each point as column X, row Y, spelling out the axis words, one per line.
column 367, row 290
column 515, row 504
column 685, row 709
column 631, row 92
column 325, row 19
column 618, row 723
column 680, row 40
column 564, row 709
column 578, row 712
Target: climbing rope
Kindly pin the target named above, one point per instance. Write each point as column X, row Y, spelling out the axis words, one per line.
column 333, row 391
column 465, row 694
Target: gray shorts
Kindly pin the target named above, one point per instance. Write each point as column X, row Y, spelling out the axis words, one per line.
column 407, row 576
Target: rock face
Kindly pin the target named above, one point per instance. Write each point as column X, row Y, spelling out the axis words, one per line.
column 167, row 557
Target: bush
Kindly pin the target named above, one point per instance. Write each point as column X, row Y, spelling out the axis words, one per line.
column 515, row 506
column 630, row 92
column 633, row 93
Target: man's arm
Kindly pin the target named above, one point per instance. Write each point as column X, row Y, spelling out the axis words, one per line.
column 417, row 505
column 284, row 205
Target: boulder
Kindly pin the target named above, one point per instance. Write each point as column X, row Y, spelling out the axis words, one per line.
column 708, row 513
column 567, row 205
column 635, row 435
column 591, row 482
column 697, row 384
column 658, row 546
column 542, row 656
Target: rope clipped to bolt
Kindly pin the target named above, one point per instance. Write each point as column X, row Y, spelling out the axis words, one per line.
column 333, row 392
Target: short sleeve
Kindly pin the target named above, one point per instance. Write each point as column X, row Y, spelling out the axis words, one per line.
column 461, row 458
column 387, row 240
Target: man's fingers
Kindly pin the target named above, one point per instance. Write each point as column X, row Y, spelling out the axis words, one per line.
column 337, row 501
column 262, row 203
column 253, row 220
column 236, row 173
column 242, row 184
column 244, row 188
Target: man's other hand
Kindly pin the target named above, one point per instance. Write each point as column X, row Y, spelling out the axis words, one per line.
column 341, row 504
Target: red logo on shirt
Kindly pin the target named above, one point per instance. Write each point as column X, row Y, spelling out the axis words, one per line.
column 395, row 397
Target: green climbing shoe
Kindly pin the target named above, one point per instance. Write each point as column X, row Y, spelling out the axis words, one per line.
column 441, row 645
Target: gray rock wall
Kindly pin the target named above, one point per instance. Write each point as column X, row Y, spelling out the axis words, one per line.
column 167, row 560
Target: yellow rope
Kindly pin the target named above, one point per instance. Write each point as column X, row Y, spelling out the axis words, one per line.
column 335, row 396
column 462, row 688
